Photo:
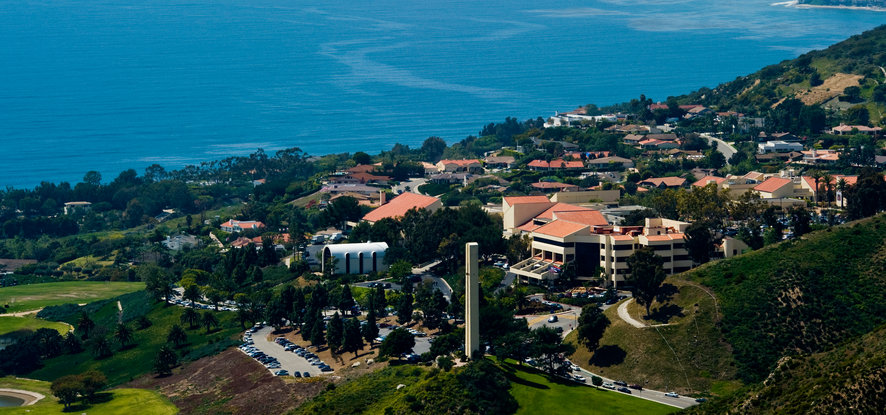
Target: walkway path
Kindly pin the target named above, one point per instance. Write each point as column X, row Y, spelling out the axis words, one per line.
column 624, row 315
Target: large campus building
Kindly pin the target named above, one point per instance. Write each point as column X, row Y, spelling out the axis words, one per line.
column 563, row 233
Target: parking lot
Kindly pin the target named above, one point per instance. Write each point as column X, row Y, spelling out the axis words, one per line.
column 288, row 360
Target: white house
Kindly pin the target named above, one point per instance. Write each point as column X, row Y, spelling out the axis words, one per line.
column 778, row 147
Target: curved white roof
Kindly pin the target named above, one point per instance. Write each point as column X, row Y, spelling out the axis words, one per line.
column 365, row 247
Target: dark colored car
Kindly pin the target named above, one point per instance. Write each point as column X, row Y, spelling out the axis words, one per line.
column 620, row 383
column 701, row 400
column 636, row 386
column 624, row 390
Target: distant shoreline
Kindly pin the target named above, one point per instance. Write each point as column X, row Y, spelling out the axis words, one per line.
column 796, row 3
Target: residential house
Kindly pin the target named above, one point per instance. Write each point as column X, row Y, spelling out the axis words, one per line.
column 775, row 188
column 633, row 139
column 179, row 242
column 232, row 225
column 704, row 181
column 71, row 207
column 542, row 165
column 449, row 178
column 844, row 129
column 401, row 204
column 604, row 162
column 627, row 129
column 554, row 186
column 815, row 156
column 663, row 182
column 779, row 147
column 460, row 166
column 499, row 162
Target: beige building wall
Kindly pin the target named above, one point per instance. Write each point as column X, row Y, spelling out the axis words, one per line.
column 514, row 216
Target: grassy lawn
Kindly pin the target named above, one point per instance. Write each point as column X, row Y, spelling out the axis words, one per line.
column 133, row 362
column 34, row 296
column 701, row 362
column 123, row 401
column 10, row 324
column 538, row 394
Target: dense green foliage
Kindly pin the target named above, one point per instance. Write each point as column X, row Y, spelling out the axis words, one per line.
column 478, row 388
column 801, row 297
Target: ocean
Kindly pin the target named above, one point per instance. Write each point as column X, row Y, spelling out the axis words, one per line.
column 108, row 85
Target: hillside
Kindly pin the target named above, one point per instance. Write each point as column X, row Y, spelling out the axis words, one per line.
column 800, row 297
column 847, row 380
column 817, row 77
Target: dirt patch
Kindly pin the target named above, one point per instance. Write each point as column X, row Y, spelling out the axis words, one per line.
column 831, row 87
column 231, row 382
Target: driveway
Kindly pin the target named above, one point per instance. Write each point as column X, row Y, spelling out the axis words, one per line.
column 288, row 360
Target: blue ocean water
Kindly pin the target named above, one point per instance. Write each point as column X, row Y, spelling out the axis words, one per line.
column 113, row 84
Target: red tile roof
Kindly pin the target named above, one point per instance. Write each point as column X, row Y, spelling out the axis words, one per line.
column 667, row 181
column 399, row 206
column 362, row 168
column 772, row 184
column 553, row 185
column 587, row 217
column 666, row 237
column 560, row 228
column 561, row 207
column 707, row 180
column 461, row 163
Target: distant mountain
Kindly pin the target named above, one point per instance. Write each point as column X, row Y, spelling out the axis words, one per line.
column 846, row 3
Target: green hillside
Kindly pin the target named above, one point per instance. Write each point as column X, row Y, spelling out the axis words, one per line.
column 846, row 380
column 801, row 297
column 809, row 79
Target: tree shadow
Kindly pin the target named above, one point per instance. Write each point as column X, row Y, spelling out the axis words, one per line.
column 608, row 355
column 666, row 293
column 79, row 407
column 101, row 397
column 665, row 313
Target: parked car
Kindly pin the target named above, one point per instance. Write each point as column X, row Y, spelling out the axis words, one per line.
column 281, row 372
column 552, row 319
column 579, row 378
column 620, row 383
column 608, row 385
column 700, row 400
column 306, row 375
column 296, row 374
column 636, row 386
column 672, row 394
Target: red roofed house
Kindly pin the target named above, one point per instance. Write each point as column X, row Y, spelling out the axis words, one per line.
column 241, row 225
column 775, row 188
column 556, row 164
column 556, row 186
column 704, row 181
column 808, row 183
column 401, row 204
column 843, row 129
column 663, row 182
column 460, row 166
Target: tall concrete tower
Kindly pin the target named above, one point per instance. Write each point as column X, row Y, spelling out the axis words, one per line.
column 472, row 298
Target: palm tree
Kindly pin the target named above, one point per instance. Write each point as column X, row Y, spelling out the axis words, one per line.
column 828, row 185
column 191, row 318
column 209, row 321
column 101, row 347
column 841, row 186
column 166, row 360
column 192, row 293
column 177, row 336
column 85, row 325
column 123, row 335
column 816, row 175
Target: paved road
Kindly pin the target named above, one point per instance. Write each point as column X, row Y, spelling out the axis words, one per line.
column 722, row 146
column 648, row 394
column 288, row 360
column 412, row 184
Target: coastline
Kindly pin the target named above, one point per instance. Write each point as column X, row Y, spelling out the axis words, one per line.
column 797, row 4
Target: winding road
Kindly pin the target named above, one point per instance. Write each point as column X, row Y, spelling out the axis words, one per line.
column 722, row 146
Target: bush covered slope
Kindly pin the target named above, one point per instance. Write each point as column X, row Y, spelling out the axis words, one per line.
column 801, row 297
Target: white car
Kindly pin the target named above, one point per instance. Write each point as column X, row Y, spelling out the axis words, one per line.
column 608, row 385
column 672, row 394
column 579, row 379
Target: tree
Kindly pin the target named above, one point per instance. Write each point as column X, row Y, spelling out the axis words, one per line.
column 101, row 347
column 165, row 361
column 192, row 293
column 596, row 381
column 93, row 381
column 800, row 220
column 353, row 341
column 402, row 271
column 370, row 329
column 214, row 296
column 177, row 336
column 592, row 323
column 209, row 321
column 158, row 281
column 72, row 344
column 397, row 342
column 549, row 349
column 335, row 332
column 404, row 308
column 190, row 317
column 432, row 149
column 85, row 325
column 346, row 300
column 361, row 158
column 66, row 389
column 646, row 277
column 317, row 338
column 142, row 322
column 123, row 335
column 699, row 242
column 379, row 301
